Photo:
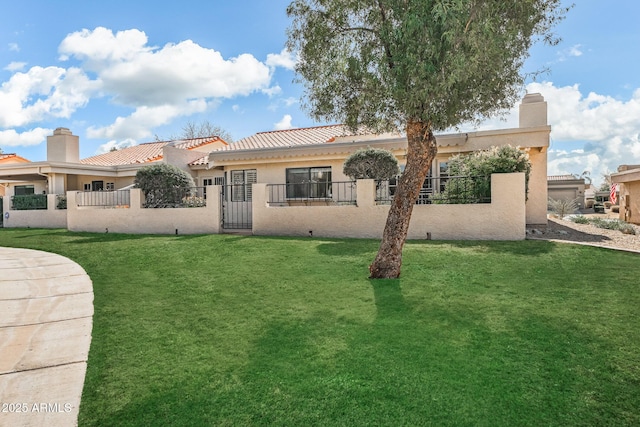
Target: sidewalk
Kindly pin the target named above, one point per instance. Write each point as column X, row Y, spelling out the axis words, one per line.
column 46, row 311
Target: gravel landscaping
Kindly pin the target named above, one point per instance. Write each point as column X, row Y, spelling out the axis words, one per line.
column 569, row 231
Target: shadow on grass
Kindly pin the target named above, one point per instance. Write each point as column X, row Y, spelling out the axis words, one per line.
column 518, row 247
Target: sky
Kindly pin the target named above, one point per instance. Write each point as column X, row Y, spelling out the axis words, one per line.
column 120, row 73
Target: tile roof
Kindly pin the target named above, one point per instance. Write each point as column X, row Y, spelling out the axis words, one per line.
column 289, row 138
column 14, row 156
column 144, row 153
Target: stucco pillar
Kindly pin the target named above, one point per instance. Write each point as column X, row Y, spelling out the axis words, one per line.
column 366, row 193
column 214, row 193
column 136, row 198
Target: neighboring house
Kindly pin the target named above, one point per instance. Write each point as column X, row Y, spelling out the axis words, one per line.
column 64, row 171
column 317, row 155
column 628, row 180
column 566, row 187
column 6, row 159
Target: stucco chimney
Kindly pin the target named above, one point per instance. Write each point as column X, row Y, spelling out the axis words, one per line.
column 63, row 146
column 533, row 111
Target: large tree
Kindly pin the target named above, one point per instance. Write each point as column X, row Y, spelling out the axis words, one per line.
column 417, row 66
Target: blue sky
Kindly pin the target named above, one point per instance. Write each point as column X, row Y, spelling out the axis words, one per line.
column 119, row 73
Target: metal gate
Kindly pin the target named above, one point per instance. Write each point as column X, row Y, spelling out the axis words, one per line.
column 1, row 213
column 236, row 207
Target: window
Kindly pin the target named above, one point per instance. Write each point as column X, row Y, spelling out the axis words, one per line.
column 97, row 185
column 241, row 181
column 218, row 180
column 308, row 183
column 207, row 181
column 23, row 190
column 111, row 186
column 444, row 174
column 87, row 187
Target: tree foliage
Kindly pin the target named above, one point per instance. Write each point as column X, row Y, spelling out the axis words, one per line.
column 470, row 174
column 162, row 184
column 414, row 65
column 371, row 163
column 382, row 63
column 502, row 159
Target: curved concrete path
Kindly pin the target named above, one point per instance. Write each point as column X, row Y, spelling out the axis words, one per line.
column 46, row 312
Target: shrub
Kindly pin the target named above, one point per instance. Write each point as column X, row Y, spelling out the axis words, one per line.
column 28, row 202
column 371, row 163
column 563, row 207
column 628, row 229
column 163, row 185
column 580, row 219
column 502, row 159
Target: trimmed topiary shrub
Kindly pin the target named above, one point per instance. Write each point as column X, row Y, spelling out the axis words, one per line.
column 163, row 185
column 371, row 163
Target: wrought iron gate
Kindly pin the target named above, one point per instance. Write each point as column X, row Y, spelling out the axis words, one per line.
column 236, row 207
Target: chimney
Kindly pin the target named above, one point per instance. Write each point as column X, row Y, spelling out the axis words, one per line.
column 533, row 111
column 63, row 146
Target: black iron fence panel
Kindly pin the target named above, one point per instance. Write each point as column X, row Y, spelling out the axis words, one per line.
column 442, row 190
column 236, row 204
column 29, row 202
column 118, row 198
column 179, row 197
column 330, row 193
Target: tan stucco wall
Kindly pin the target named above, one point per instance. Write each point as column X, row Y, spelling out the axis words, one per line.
column 137, row 220
column 632, row 191
column 49, row 218
column 502, row 219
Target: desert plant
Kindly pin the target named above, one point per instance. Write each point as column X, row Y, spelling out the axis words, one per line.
column 371, row 163
column 563, row 207
column 580, row 219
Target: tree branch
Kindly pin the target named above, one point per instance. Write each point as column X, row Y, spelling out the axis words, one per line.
column 387, row 49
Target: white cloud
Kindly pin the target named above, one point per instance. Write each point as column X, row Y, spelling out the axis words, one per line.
column 135, row 74
column 571, row 52
column 118, row 145
column 609, row 129
column 14, row 47
column 284, row 59
column 272, row 91
column 284, row 124
column 11, row 138
column 15, row 66
column 139, row 124
column 43, row 93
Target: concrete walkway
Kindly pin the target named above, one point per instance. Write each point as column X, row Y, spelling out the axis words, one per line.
column 46, row 312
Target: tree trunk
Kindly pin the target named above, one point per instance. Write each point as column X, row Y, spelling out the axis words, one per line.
column 421, row 151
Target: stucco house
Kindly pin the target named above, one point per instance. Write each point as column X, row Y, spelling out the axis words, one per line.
column 628, row 180
column 567, row 187
column 312, row 154
column 64, row 170
column 284, row 161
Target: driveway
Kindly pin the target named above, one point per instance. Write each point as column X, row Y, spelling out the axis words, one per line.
column 46, row 312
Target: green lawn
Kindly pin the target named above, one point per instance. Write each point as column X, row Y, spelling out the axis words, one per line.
column 237, row 330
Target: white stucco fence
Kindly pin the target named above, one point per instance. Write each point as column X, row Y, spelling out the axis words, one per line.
column 40, row 218
column 502, row 219
column 138, row 220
